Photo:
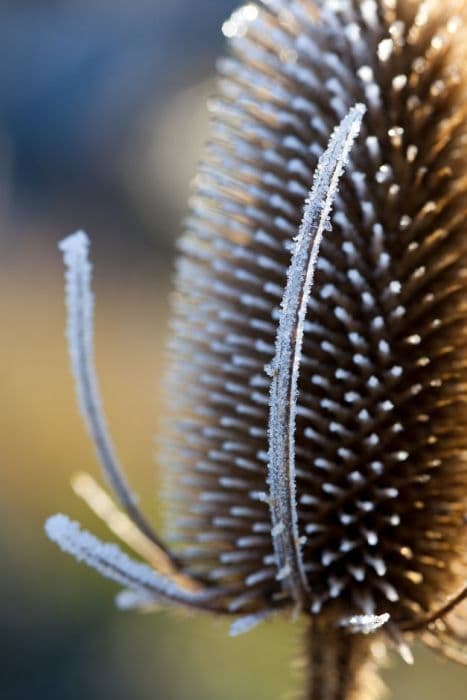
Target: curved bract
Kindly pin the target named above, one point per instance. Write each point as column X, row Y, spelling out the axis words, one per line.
column 316, row 438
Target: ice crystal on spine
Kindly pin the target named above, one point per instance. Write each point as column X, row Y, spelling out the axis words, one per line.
column 316, row 443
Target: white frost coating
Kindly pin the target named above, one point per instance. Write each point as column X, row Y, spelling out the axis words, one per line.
column 80, row 305
column 244, row 624
column 111, row 562
column 285, row 367
column 106, row 558
column 365, row 623
column 129, row 599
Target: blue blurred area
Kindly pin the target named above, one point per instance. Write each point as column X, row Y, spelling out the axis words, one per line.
column 76, row 75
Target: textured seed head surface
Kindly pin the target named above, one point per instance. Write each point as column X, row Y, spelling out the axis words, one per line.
column 381, row 429
column 316, row 441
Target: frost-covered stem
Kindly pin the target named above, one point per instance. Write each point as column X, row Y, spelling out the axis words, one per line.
column 80, row 338
column 339, row 665
column 285, row 367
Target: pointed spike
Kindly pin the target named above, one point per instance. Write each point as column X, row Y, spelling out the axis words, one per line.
column 247, row 623
column 129, row 599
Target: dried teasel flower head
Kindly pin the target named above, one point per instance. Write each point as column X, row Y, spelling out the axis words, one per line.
column 316, row 444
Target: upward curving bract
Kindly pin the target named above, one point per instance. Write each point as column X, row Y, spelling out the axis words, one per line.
column 381, row 420
column 316, row 438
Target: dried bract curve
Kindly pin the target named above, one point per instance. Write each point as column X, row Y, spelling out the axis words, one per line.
column 80, row 342
column 285, row 366
column 361, row 456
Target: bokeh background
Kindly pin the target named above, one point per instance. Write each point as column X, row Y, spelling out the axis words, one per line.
column 102, row 116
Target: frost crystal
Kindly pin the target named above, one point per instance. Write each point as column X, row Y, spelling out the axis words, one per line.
column 111, row 562
column 365, row 623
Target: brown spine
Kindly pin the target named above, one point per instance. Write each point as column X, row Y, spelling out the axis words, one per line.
column 340, row 665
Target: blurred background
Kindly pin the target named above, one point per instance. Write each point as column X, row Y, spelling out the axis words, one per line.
column 102, row 117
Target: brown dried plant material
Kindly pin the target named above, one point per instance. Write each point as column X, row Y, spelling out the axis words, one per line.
column 316, row 438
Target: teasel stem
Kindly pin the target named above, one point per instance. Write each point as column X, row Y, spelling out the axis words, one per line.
column 339, row 664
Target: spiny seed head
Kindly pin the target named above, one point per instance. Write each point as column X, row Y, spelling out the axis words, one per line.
column 316, row 441
column 380, row 434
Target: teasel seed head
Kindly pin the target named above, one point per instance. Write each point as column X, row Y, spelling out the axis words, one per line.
column 316, row 439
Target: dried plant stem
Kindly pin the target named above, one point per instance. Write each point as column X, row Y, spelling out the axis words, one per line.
column 338, row 665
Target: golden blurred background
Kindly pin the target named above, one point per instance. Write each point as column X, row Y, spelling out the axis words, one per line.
column 102, row 116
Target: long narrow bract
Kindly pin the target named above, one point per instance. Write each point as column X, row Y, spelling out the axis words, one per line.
column 80, row 303
column 285, row 367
